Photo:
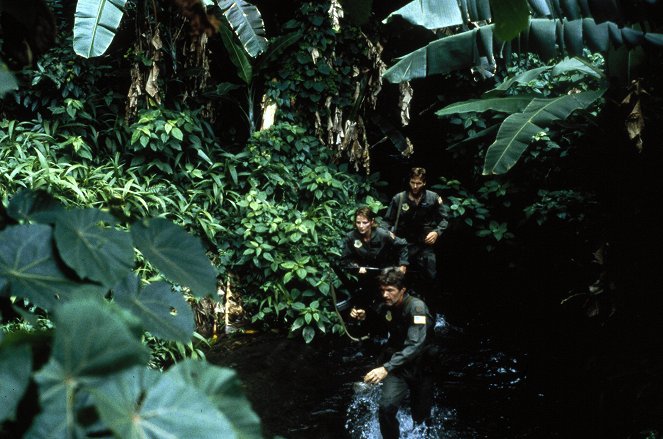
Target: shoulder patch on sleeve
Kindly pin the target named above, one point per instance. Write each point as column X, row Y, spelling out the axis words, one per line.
column 420, row 320
column 419, row 309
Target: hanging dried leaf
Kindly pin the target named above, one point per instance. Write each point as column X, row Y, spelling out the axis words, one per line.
column 635, row 121
column 379, row 67
column 410, row 148
column 635, row 124
column 335, row 14
column 152, row 85
column 135, row 91
column 406, row 92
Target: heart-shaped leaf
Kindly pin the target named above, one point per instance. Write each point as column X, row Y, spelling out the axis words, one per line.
column 176, row 254
column 93, row 250
column 164, row 313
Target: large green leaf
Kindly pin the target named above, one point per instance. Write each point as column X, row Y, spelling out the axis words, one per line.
column 431, row 14
column 224, row 390
column 164, row 313
column 15, row 371
column 509, row 104
column 245, row 20
column 517, row 130
column 510, row 16
column 28, row 265
column 95, row 25
column 93, row 338
column 176, row 254
column 93, row 250
column 439, row 57
column 138, row 405
column 237, row 55
column 38, row 206
column 464, row 50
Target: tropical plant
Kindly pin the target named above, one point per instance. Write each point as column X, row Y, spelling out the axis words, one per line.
column 90, row 371
column 530, row 114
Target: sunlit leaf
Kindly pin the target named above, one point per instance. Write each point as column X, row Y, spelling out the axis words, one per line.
column 176, row 254
column 431, row 14
column 95, row 25
column 246, row 21
column 93, row 250
column 164, row 313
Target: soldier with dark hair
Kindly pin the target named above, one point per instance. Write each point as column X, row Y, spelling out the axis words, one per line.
column 366, row 249
column 403, row 364
column 419, row 216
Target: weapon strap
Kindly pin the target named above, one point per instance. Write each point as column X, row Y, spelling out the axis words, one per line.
column 398, row 214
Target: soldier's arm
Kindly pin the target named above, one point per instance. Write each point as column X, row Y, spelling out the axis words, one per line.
column 414, row 344
column 441, row 216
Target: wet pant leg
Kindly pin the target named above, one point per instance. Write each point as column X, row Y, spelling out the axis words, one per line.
column 421, row 396
column 394, row 391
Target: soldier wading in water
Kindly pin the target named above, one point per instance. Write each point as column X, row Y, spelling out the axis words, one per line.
column 404, row 365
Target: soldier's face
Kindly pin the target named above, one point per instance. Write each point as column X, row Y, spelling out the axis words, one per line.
column 417, row 185
column 392, row 295
column 363, row 224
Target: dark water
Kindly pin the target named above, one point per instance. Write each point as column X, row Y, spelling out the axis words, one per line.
column 482, row 389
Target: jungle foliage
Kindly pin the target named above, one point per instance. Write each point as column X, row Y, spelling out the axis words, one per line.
column 522, row 111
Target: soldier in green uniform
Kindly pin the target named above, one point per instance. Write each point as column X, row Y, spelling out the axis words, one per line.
column 403, row 365
column 368, row 247
column 419, row 216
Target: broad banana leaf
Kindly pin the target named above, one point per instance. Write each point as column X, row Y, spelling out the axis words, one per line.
column 508, row 104
column 511, row 17
column 464, row 50
column 237, row 55
column 516, row 132
column 246, row 21
column 431, row 14
column 95, row 25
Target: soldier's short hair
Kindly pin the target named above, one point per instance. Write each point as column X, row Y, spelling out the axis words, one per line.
column 418, row 173
column 391, row 276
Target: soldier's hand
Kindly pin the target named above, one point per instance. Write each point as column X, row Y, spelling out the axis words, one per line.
column 403, row 269
column 431, row 238
column 376, row 375
column 362, row 270
column 358, row 314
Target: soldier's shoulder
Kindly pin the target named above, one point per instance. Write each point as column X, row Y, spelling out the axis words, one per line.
column 417, row 306
column 433, row 197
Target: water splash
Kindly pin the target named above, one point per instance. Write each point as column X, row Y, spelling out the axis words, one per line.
column 362, row 419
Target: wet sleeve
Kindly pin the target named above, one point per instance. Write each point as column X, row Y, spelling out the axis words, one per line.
column 442, row 216
column 414, row 344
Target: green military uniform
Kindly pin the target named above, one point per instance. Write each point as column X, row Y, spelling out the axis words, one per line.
column 410, row 330
column 415, row 221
